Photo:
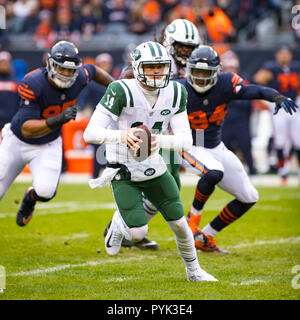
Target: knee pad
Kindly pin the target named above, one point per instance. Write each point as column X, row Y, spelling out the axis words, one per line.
column 251, row 197
column 138, row 233
column 213, row 176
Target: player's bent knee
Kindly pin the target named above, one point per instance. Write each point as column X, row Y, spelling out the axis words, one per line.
column 214, row 176
column 252, row 196
column 138, row 233
column 44, row 194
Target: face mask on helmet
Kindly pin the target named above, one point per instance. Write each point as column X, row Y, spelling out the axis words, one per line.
column 151, row 65
column 201, row 76
column 181, row 37
column 63, row 64
column 181, row 52
column 203, row 67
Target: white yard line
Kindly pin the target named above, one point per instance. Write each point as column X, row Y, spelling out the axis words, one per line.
column 267, row 242
column 43, row 271
column 64, row 207
column 249, row 282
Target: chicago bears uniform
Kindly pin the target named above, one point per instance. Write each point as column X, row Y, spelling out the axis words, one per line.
column 209, row 93
column 286, row 129
column 48, row 96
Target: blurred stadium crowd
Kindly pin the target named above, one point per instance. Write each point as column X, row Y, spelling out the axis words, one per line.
column 81, row 20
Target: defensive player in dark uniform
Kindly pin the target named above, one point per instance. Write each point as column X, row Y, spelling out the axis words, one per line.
column 48, row 97
column 8, row 90
column 236, row 133
column 209, row 93
column 282, row 74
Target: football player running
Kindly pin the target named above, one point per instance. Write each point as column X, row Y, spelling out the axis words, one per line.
column 33, row 137
column 209, row 92
column 149, row 99
column 179, row 38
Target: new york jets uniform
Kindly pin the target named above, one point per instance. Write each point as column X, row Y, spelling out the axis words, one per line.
column 125, row 103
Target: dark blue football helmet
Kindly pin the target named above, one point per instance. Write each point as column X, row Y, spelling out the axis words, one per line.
column 203, row 67
column 63, row 54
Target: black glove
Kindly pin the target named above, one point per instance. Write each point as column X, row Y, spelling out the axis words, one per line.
column 57, row 121
column 287, row 104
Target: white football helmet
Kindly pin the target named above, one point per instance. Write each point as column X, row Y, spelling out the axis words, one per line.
column 184, row 32
column 151, row 53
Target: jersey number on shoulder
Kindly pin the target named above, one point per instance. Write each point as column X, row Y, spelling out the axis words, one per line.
column 54, row 110
column 109, row 101
column 199, row 120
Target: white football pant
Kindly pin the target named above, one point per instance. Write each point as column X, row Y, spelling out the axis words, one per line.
column 44, row 163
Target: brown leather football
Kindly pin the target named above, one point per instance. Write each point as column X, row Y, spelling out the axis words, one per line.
column 145, row 147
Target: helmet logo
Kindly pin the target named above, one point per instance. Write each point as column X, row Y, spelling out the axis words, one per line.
column 171, row 28
column 136, row 54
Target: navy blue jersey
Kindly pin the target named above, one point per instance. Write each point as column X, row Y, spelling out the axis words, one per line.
column 206, row 111
column 9, row 98
column 90, row 95
column 239, row 111
column 41, row 100
column 285, row 80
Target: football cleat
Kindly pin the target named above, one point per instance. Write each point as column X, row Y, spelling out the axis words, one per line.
column 125, row 243
column 207, row 243
column 113, row 238
column 199, row 275
column 146, row 244
column 193, row 221
column 25, row 212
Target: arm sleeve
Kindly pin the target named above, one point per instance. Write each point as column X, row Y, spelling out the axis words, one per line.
column 182, row 137
column 253, row 91
column 89, row 71
column 96, row 131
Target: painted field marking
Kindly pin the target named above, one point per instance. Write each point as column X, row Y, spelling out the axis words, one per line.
column 121, row 259
column 64, row 207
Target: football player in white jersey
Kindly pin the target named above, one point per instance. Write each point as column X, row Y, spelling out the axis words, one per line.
column 180, row 38
column 152, row 100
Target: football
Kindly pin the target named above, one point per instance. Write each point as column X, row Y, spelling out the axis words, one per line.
column 145, row 147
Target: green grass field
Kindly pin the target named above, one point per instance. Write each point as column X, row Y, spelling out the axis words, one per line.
column 61, row 254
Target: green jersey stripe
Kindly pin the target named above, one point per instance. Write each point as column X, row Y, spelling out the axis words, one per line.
column 175, row 94
column 130, row 94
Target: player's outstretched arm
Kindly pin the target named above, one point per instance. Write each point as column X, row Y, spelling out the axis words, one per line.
column 253, row 91
column 102, row 77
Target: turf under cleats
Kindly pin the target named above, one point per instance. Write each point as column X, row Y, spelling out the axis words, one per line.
column 207, row 243
column 146, row 244
column 199, row 275
column 25, row 212
column 113, row 238
column 193, row 221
